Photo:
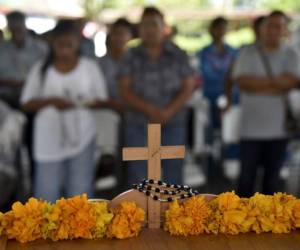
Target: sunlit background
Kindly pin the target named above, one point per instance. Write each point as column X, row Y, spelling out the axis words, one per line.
column 190, row 17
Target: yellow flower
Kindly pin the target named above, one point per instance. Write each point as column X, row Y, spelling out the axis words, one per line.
column 296, row 214
column 228, row 201
column 103, row 218
column 25, row 222
column 188, row 218
column 229, row 215
column 272, row 213
column 284, row 205
column 127, row 221
column 175, row 220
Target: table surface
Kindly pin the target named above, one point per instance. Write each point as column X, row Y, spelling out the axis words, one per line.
column 157, row 239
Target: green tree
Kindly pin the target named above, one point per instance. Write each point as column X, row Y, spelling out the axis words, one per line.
column 92, row 8
column 285, row 5
column 184, row 4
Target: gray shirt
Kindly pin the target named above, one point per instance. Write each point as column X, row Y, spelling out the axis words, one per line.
column 15, row 63
column 110, row 68
column 263, row 115
column 157, row 82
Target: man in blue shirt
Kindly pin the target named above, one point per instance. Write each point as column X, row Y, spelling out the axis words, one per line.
column 214, row 63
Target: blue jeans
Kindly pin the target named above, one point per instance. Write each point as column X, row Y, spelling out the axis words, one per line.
column 67, row 178
column 136, row 136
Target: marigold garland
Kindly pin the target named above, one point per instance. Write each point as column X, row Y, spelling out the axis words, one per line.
column 127, row 222
column 66, row 219
column 77, row 217
column 231, row 214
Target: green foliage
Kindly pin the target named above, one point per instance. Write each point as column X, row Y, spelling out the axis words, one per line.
column 185, row 4
column 192, row 32
column 92, row 8
column 122, row 4
column 286, row 5
column 193, row 44
column 240, row 37
column 189, row 26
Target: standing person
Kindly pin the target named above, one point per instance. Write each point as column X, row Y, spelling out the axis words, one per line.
column 258, row 27
column 120, row 33
column 215, row 61
column 156, row 81
column 232, row 95
column 264, row 74
column 17, row 56
column 87, row 45
column 63, row 90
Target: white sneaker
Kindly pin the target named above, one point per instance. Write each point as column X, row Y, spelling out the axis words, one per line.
column 105, row 183
column 231, row 169
column 194, row 175
column 284, row 172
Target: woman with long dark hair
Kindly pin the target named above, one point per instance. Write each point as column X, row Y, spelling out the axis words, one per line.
column 61, row 91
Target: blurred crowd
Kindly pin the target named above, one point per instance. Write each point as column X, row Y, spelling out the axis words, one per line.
column 65, row 114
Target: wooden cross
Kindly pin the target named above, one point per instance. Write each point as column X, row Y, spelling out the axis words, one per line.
column 154, row 153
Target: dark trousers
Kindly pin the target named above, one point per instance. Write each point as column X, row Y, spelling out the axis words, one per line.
column 266, row 153
column 212, row 133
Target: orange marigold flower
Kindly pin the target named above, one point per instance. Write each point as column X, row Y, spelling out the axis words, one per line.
column 213, row 221
column 228, row 201
column 6, row 221
column 1, row 225
column 25, row 222
column 188, row 218
column 296, row 214
column 70, row 219
column 127, row 221
column 175, row 220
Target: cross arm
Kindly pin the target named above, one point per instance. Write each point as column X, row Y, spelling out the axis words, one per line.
column 135, row 154
column 172, row 152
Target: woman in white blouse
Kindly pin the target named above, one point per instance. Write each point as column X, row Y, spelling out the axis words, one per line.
column 62, row 91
